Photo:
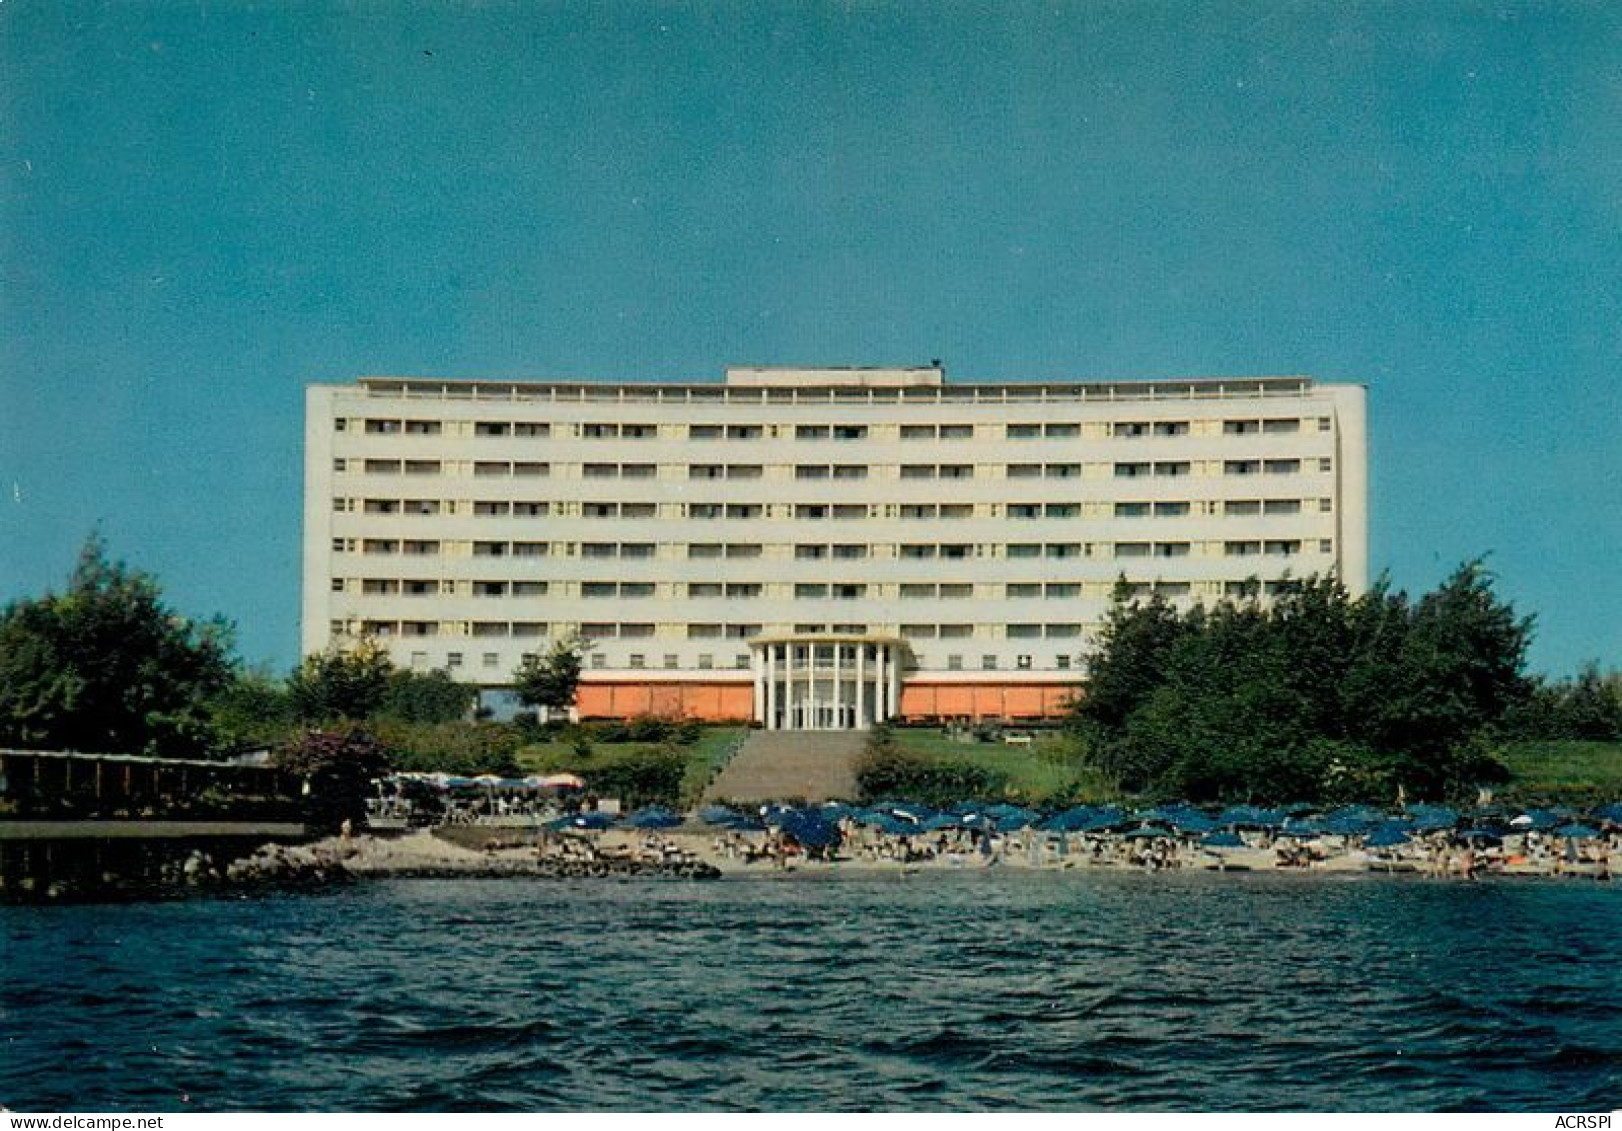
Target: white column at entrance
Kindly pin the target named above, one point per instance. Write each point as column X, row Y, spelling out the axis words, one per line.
column 839, row 690
column 861, row 686
column 771, row 687
column 879, row 685
column 895, row 685
column 757, row 670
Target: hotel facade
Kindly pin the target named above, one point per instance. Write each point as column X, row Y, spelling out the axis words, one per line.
column 811, row 548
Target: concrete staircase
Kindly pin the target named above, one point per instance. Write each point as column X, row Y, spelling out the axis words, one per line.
column 786, row 765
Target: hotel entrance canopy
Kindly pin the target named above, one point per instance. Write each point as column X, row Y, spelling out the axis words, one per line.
column 826, row 682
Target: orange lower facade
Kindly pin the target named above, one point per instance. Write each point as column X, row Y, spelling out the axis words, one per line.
column 921, row 700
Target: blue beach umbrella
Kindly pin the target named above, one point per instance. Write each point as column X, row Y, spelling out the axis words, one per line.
column 1222, row 839
column 653, row 817
column 1433, row 818
column 1388, row 835
column 1611, row 813
column 1576, row 832
column 807, row 827
column 587, row 822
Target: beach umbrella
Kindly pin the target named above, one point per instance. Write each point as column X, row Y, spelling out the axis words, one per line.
column 1433, row 818
column 1193, row 821
column 1388, row 835
column 1611, row 813
column 653, row 817
column 581, row 822
column 1310, row 830
column 808, row 828
column 1222, row 839
column 1576, row 832
column 561, row 781
column 1144, row 832
column 1479, row 835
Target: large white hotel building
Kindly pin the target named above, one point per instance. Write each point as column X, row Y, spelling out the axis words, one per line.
column 811, row 548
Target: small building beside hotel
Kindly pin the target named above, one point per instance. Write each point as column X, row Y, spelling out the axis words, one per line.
column 811, row 548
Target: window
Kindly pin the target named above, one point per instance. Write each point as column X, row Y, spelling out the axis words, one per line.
column 383, row 466
column 337, row 585
column 811, row 432
column 1024, row 550
column 1062, row 470
column 810, row 553
column 1024, row 470
column 957, row 431
column 848, row 592
column 743, row 550
column 918, row 510
column 530, row 549
column 1241, row 507
column 1023, row 431
column 743, row 590
column 1241, row 427
column 1281, row 506
column 1061, row 431
column 489, row 588
column 1326, row 545
column 988, row 662
column 638, row 510
column 597, row 589
column 704, row 550
column 704, row 432
column 850, row 510
column 1326, row 464
column 705, row 510
column 1282, row 548
column 486, row 509
column 598, row 550
column 917, row 431
column 491, row 428
column 638, row 660
column 957, row 471
column 1171, row 549
column 954, row 663
column 1128, row 429
column 599, row 431
column 420, row 506
column 1325, row 506
column 745, row 431
column 1064, row 589
column 635, row 631
column 1281, row 427
column 1171, row 428
column 523, row 428
column 1024, row 632
column 529, row 589
column 1022, row 662
column 1131, row 549
column 850, row 431
column 1241, row 466
column 422, row 428
column 422, row 467
column 914, row 590
column 600, row 471
column 531, row 470
column 453, row 659
column 917, row 471
column 956, row 631
column 1022, row 589
column 1172, row 468
column 1061, row 510
column 1282, row 466
column 638, row 470
column 918, row 631
column 483, row 628
column 1241, row 549
column 382, row 427
column 700, row 589
column 957, row 591
column 639, row 431
column 492, row 659
column 1062, row 663
column 850, row 552
column 487, row 469
column 672, row 660
column 1024, row 510
column 810, row 510
column 957, row 551
column 809, row 590
column 1131, row 470
column 810, row 471
column 1063, row 550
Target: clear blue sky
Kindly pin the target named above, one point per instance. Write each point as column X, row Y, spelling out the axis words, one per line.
column 205, row 206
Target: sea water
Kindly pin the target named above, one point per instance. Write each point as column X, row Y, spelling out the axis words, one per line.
column 985, row 990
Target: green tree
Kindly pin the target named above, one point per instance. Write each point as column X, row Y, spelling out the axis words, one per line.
column 550, row 682
column 341, row 683
column 253, row 710
column 425, row 697
column 108, row 667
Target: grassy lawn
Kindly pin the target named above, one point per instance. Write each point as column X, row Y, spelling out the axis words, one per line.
column 1036, row 773
column 703, row 757
column 1555, row 770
